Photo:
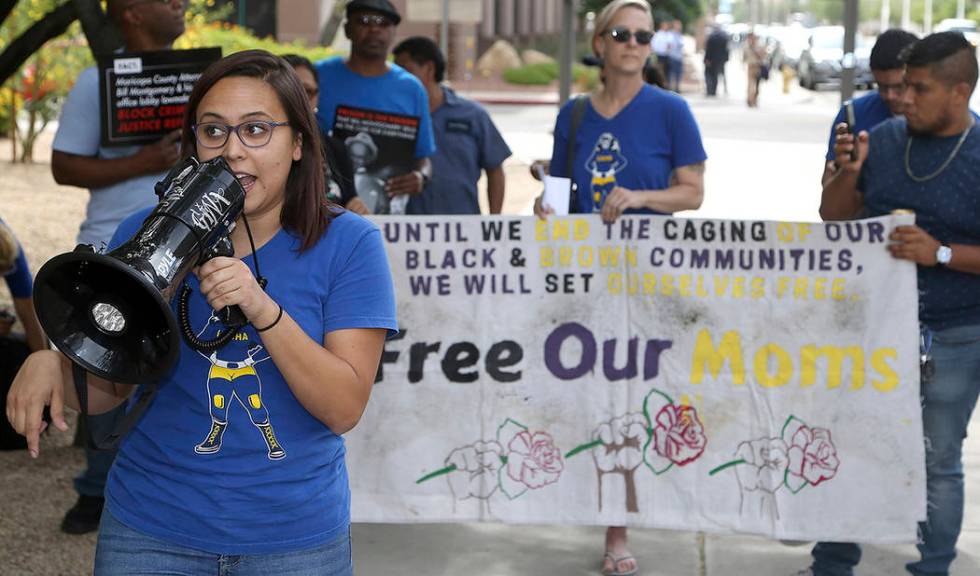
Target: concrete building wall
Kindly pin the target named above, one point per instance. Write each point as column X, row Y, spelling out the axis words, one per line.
column 302, row 19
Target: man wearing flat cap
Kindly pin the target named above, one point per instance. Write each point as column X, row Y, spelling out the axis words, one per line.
column 365, row 81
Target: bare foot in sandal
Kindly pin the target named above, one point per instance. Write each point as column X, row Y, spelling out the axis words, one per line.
column 618, row 561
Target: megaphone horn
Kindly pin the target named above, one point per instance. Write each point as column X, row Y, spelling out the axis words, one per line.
column 110, row 313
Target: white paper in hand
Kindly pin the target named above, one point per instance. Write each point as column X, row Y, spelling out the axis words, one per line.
column 557, row 191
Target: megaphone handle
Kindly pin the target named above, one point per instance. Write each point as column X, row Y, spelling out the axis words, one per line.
column 230, row 316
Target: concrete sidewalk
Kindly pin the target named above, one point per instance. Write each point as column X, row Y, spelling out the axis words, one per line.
column 35, row 494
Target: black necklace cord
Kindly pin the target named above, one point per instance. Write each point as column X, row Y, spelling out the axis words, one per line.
column 183, row 309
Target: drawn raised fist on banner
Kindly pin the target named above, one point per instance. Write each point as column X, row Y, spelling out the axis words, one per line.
column 760, row 475
column 475, row 475
column 621, row 452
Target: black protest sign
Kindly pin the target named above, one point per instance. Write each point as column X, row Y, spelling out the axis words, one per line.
column 142, row 95
column 380, row 145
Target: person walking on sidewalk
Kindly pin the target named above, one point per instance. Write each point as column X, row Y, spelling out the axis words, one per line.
column 467, row 141
column 715, row 58
column 927, row 162
column 637, row 150
column 120, row 181
column 754, row 56
column 882, row 103
column 676, row 55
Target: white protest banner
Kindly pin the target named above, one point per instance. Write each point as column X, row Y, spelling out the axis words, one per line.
column 725, row 376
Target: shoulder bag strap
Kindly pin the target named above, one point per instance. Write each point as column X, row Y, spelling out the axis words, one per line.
column 578, row 112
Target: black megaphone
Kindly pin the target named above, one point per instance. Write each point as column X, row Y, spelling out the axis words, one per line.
column 110, row 313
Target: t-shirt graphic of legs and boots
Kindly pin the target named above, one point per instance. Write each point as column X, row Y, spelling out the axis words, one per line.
column 380, row 145
column 605, row 161
column 232, row 376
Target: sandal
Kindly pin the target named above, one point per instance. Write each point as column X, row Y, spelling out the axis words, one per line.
column 615, row 561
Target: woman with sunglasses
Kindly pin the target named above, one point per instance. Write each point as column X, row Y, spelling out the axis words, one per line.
column 637, row 150
column 238, row 467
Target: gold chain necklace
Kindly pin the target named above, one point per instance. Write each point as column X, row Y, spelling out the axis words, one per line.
column 908, row 154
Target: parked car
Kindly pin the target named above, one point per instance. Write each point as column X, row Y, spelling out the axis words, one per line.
column 821, row 61
column 967, row 27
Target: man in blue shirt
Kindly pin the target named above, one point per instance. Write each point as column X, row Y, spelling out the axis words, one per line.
column 366, row 81
column 927, row 162
column 466, row 139
column 120, row 181
column 883, row 103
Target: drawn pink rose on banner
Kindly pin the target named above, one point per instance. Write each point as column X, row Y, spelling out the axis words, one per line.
column 812, row 457
column 679, row 435
column 533, row 459
column 676, row 434
column 801, row 456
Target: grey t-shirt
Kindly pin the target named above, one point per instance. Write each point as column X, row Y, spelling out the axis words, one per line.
column 79, row 132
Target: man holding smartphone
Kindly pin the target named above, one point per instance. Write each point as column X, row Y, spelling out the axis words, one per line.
column 878, row 105
column 929, row 162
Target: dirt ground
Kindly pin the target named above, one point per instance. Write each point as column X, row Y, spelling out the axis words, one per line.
column 34, row 494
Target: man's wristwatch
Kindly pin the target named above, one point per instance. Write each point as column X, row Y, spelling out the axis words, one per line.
column 943, row 255
column 425, row 179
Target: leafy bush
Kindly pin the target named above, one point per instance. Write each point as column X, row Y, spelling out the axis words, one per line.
column 532, row 74
column 543, row 74
column 232, row 38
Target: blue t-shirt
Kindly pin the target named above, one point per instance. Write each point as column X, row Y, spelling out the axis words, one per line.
column 946, row 207
column 396, row 91
column 869, row 111
column 18, row 278
column 637, row 149
column 467, row 142
column 226, row 459
column 79, row 133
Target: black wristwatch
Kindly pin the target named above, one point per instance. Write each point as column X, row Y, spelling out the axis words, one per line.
column 425, row 177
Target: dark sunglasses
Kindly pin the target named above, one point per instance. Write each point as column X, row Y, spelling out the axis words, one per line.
column 623, row 35
column 373, row 20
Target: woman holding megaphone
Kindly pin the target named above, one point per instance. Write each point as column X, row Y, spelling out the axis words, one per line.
column 238, row 461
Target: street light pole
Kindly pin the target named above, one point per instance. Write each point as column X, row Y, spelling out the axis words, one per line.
column 569, row 8
column 444, row 30
column 849, row 61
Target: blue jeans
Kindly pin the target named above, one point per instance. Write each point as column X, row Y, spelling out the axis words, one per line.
column 948, row 400
column 91, row 482
column 123, row 551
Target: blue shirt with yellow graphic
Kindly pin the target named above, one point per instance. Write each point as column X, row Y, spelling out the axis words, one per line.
column 637, row 149
column 226, row 459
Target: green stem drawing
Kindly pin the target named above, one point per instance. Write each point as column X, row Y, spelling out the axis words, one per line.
column 583, row 448
column 726, row 465
column 439, row 472
column 447, row 470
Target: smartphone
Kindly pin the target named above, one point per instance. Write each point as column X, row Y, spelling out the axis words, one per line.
column 849, row 121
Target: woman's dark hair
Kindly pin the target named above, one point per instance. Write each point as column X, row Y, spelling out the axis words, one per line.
column 421, row 50
column 305, row 211
column 297, row 61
